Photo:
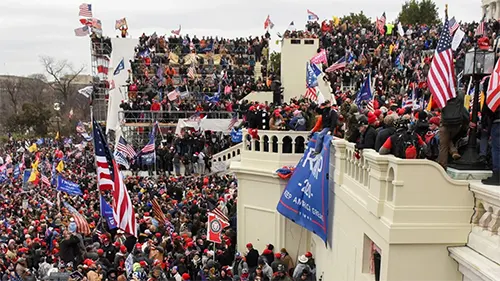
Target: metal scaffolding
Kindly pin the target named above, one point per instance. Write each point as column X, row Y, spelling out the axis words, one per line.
column 100, row 53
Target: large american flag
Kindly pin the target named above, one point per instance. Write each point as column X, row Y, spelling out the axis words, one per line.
column 85, row 10
column 108, row 175
column 453, row 24
column 311, row 94
column 493, row 92
column 441, row 78
column 191, row 72
column 103, row 159
column 158, row 212
column 81, row 222
column 125, row 148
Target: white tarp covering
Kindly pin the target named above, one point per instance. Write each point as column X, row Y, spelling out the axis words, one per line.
column 123, row 48
column 218, row 125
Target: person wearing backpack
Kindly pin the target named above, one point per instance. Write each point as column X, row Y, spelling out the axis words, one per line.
column 405, row 143
column 454, row 121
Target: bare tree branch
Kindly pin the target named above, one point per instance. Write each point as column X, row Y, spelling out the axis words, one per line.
column 63, row 73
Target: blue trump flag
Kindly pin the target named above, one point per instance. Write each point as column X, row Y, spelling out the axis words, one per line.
column 119, row 67
column 365, row 93
column 67, row 186
column 107, row 213
column 305, row 198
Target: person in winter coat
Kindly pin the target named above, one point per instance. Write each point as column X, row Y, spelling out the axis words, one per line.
column 368, row 132
column 252, row 257
column 277, row 261
column 386, row 132
column 301, row 266
column 266, row 269
column 329, row 119
column 298, row 122
column 287, row 260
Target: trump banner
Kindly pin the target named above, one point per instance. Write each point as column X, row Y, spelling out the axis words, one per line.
column 215, row 226
column 305, row 198
column 67, row 186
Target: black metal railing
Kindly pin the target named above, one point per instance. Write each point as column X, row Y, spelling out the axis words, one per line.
column 148, row 116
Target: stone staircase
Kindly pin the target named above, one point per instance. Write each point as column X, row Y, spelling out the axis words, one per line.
column 258, row 70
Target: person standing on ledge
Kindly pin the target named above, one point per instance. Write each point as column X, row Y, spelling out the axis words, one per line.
column 492, row 118
column 329, row 118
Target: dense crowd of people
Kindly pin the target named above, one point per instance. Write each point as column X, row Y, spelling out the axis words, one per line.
column 183, row 73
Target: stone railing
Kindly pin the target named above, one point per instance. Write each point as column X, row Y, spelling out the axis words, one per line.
column 273, row 149
column 228, row 154
column 485, row 235
column 414, row 199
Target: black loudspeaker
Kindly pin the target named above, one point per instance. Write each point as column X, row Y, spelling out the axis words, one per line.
column 376, row 261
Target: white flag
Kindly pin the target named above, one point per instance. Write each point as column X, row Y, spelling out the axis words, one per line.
column 457, row 39
column 87, row 91
column 400, row 29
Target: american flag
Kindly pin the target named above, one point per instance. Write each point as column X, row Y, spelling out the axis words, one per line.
column 481, row 27
column 150, row 146
column 122, row 205
column 268, row 23
column 81, row 222
column 216, row 211
column 108, row 176
column 341, row 63
column 82, row 31
column 233, row 121
column 441, row 78
column 176, row 32
column 45, row 180
column 311, row 94
column 85, row 10
column 191, row 72
column 103, row 159
column 381, row 23
column 312, row 16
column 453, row 24
column 158, row 212
column 102, row 65
column 125, row 148
column 493, row 92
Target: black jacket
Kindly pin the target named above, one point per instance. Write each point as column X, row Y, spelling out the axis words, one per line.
column 367, row 139
column 252, row 258
column 382, row 136
column 329, row 118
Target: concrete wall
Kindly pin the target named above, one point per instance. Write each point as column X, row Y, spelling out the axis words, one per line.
column 294, row 55
column 410, row 209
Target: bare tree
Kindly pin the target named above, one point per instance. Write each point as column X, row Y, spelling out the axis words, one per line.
column 38, row 89
column 12, row 89
column 63, row 74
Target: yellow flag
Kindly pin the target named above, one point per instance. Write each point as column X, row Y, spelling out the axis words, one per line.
column 60, row 166
column 467, row 101
column 429, row 106
column 34, row 171
column 336, row 21
column 33, row 148
column 57, row 136
column 481, row 101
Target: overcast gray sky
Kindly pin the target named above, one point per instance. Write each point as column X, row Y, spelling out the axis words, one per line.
column 31, row 28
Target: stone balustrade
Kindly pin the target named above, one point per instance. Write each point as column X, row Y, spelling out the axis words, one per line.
column 485, row 235
column 405, row 194
column 228, row 154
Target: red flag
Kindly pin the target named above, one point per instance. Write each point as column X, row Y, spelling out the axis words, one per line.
column 215, row 227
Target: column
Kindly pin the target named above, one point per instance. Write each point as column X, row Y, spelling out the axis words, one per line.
column 493, row 10
column 497, row 16
column 485, row 10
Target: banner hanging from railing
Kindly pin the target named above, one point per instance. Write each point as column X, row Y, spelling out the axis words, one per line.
column 305, row 198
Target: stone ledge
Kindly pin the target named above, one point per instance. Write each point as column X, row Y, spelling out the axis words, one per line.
column 473, row 265
column 468, row 174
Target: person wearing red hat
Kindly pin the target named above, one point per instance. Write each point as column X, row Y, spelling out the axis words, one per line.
column 186, row 277
column 431, row 138
column 252, row 257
